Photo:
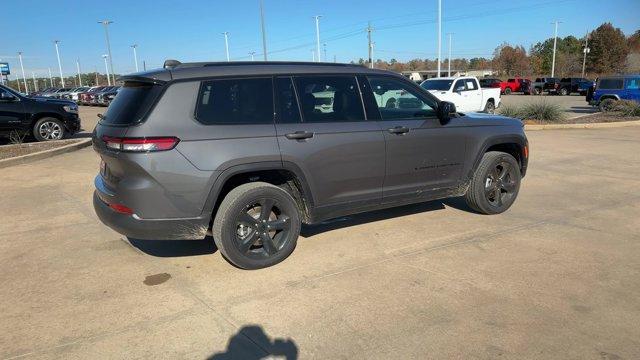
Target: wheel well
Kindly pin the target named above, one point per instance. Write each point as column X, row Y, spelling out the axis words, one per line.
column 491, row 100
column 512, row 149
column 284, row 179
column 605, row 97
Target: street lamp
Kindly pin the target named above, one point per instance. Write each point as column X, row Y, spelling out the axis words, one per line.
column 106, row 34
column 135, row 55
column 105, row 56
column 56, row 42
column 252, row 53
column 24, row 77
column 317, row 17
column 226, row 43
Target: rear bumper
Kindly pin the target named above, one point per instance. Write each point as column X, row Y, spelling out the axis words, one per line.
column 148, row 229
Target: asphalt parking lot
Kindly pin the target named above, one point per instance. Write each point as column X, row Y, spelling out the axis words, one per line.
column 557, row 276
column 573, row 105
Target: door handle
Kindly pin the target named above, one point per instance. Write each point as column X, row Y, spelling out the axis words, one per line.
column 299, row 135
column 399, row 130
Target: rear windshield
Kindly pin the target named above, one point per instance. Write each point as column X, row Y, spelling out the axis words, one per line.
column 132, row 102
column 437, row 84
column 610, row 84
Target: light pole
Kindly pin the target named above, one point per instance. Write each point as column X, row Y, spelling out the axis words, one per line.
column 56, row 42
column 317, row 17
column 264, row 34
column 313, row 55
column 252, row 53
column 106, row 34
column 449, row 64
column 24, row 77
column 1, row 77
column 35, row 85
column 50, row 77
column 586, row 50
column 555, row 41
column 226, row 44
column 107, row 68
column 78, row 67
column 439, row 36
column 324, row 50
column 135, row 55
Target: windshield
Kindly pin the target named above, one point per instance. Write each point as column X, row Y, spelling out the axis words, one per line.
column 437, row 85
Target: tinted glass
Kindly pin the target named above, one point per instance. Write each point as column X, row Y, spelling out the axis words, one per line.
column 511, row 80
column 443, row 85
column 329, row 98
column 459, row 86
column 237, row 101
column 131, row 104
column 610, row 84
column 397, row 100
column 288, row 111
column 632, row 84
column 471, row 84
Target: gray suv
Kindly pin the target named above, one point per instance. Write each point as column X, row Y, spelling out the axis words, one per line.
column 250, row 151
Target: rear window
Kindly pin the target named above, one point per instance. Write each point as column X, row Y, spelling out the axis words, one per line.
column 610, row 84
column 131, row 104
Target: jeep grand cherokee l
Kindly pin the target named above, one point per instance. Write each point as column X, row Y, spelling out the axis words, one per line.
column 252, row 150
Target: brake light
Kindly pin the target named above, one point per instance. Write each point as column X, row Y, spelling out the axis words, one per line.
column 140, row 144
column 121, row 209
column 526, row 151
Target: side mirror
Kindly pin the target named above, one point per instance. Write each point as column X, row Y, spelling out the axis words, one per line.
column 460, row 89
column 446, row 111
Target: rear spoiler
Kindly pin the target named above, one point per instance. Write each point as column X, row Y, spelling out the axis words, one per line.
column 142, row 79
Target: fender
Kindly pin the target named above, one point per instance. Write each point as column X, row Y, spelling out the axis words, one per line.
column 495, row 140
column 251, row 167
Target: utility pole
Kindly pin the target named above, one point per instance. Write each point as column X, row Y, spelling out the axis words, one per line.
column 24, row 77
column 370, row 44
column 135, row 55
column 373, row 45
column 334, row 59
column 439, row 36
column 252, row 53
column 317, row 17
column 79, row 76
column 106, row 34
column 144, row 65
column 449, row 65
column 586, row 50
column 324, row 49
column 35, row 85
column 264, row 34
column 226, row 43
column 50, row 77
column 56, row 42
column 313, row 55
column 95, row 68
column 107, row 68
column 555, row 41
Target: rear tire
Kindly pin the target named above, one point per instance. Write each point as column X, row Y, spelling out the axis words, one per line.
column 507, row 91
column 490, row 108
column 495, row 184
column 564, row 92
column 606, row 105
column 257, row 225
column 537, row 91
column 48, row 128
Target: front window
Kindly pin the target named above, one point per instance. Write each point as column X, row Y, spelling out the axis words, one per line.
column 632, row 84
column 442, row 85
column 396, row 100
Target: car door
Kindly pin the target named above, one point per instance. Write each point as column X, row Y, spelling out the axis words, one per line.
column 473, row 95
column 422, row 154
column 459, row 96
column 11, row 111
column 322, row 129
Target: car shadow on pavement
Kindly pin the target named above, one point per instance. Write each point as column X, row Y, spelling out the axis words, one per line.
column 251, row 342
column 175, row 248
column 583, row 109
column 364, row 218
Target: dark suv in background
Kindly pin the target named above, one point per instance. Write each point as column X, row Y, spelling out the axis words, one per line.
column 250, row 151
column 45, row 118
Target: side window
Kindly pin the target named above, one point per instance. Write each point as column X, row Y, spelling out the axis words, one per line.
column 397, row 100
column 459, row 86
column 329, row 98
column 287, row 108
column 610, row 84
column 633, row 84
column 235, row 101
column 471, row 84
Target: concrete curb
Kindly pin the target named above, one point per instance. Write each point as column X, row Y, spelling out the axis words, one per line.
column 583, row 126
column 23, row 159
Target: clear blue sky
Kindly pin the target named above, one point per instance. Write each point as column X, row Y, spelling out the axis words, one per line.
column 191, row 30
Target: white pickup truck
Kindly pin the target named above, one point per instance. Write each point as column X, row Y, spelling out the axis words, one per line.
column 465, row 92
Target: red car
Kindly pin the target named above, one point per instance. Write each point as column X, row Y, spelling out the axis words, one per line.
column 514, row 85
column 86, row 97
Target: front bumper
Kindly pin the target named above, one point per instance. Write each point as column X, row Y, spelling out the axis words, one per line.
column 72, row 123
column 133, row 226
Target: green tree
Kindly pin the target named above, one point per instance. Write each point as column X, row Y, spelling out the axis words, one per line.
column 609, row 50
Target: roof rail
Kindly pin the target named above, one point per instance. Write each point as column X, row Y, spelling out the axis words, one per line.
column 171, row 64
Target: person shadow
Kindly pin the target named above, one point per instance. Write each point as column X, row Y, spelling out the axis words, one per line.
column 251, row 342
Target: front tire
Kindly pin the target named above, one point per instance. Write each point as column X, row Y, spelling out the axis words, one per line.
column 495, row 184
column 507, row 91
column 48, row 129
column 257, row 225
column 564, row 92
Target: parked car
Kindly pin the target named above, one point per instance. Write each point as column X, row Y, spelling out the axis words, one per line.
column 526, row 86
column 43, row 91
column 106, row 97
column 490, row 83
column 567, row 86
column 56, row 93
column 464, row 92
column 540, row 84
column 551, row 85
column 84, row 97
column 198, row 147
column 624, row 87
column 94, row 98
column 511, row 85
column 46, row 119
column 73, row 94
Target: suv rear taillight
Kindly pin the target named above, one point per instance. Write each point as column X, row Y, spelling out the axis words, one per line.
column 140, row 144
